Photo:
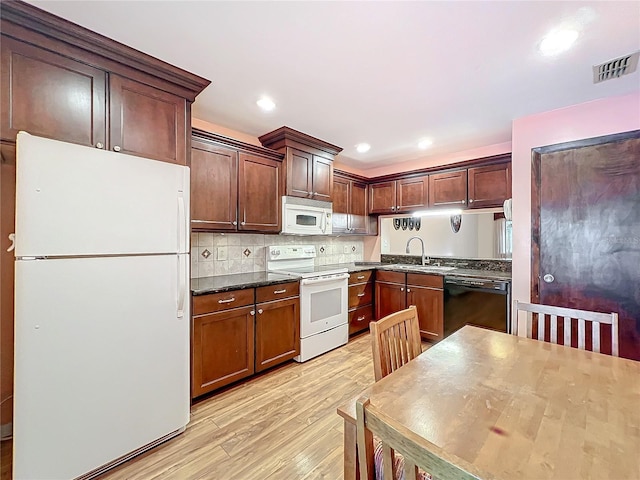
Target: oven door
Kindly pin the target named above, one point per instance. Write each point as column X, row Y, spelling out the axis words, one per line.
column 323, row 303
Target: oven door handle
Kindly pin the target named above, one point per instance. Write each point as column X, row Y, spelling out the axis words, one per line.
column 319, row 280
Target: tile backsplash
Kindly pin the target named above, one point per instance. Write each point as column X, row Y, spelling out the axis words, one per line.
column 215, row 254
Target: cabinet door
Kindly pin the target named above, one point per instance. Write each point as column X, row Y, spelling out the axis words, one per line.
column 448, row 188
column 277, row 332
column 147, row 122
column 360, row 318
column 340, row 218
column 382, row 197
column 223, row 350
column 259, row 193
column 489, row 186
column 413, row 194
column 390, row 298
column 214, row 187
column 429, row 302
column 322, row 182
column 299, row 173
column 358, row 214
column 51, row 96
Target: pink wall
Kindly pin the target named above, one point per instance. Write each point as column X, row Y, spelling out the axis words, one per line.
column 586, row 120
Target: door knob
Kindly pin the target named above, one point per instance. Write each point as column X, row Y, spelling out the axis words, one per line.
column 548, row 278
column 116, row 148
column 100, row 145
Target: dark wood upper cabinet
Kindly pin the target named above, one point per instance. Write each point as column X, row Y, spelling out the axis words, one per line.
column 382, row 197
column 49, row 95
column 214, row 187
column 350, row 206
column 412, row 194
column 259, row 193
column 489, row 186
column 235, row 186
column 309, row 162
column 137, row 111
column 448, row 189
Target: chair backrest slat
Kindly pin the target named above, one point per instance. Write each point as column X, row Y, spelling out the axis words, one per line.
column 417, row 451
column 569, row 315
column 395, row 341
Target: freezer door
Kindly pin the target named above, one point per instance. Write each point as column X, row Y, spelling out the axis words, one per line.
column 102, row 360
column 73, row 200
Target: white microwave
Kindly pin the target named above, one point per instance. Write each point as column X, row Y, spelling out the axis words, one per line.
column 301, row 216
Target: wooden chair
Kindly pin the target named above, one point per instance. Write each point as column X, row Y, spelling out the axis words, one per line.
column 569, row 316
column 419, row 456
column 395, row 340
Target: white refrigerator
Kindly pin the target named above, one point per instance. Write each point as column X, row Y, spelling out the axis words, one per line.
column 101, row 307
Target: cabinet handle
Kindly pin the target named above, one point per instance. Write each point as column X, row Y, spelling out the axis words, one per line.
column 393, row 209
column 252, row 312
column 243, row 223
column 361, row 294
column 359, row 319
column 408, row 290
column 260, row 311
column 227, row 301
column 116, row 148
column 360, row 277
column 284, row 290
column 402, row 289
column 99, row 145
column 461, row 201
column 234, row 223
column 471, row 200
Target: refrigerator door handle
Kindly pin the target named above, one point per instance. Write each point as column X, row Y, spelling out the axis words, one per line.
column 182, row 285
column 182, row 224
column 12, row 239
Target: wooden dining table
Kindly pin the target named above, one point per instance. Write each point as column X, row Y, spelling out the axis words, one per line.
column 516, row 408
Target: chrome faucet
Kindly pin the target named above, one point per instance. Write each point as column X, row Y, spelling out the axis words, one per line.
column 422, row 256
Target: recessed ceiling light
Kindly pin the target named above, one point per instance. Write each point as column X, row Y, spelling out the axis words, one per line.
column 266, row 104
column 558, row 41
column 425, row 143
column 363, row 147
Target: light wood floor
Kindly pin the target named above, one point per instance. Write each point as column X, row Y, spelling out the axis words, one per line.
column 282, row 425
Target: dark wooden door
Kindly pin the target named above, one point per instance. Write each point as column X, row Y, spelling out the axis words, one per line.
column 259, row 193
column 322, row 188
column 223, row 349
column 52, row 96
column 390, row 298
column 413, row 194
column 382, row 197
column 146, row 122
column 299, row 173
column 489, row 186
column 358, row 214
column 448, row 189
column 586, row 231
column 277, row 332
column 430, row 305
column 340, row 218
column 214, row 187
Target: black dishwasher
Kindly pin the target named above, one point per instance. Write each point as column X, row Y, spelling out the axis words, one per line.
column 481, row 302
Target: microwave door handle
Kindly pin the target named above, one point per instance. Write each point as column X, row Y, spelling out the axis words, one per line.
column 324, row 222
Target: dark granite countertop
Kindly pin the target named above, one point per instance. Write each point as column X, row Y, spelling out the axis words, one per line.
column 455, row 272
column 224, row 283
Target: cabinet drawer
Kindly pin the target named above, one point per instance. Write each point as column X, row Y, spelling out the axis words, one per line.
column 390, row 277
column 360, row 318
column 360, row 294
column 360, row 277
column 276, row 292
column 422, row 280
column 216, row 302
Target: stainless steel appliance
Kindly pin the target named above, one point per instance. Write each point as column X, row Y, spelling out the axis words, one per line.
column 323, row 298
column 303, row 216
column 481, row 302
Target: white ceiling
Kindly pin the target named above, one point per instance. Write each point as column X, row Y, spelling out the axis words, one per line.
column 386, row 73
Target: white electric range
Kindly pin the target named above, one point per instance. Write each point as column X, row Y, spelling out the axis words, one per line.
column 323, row 298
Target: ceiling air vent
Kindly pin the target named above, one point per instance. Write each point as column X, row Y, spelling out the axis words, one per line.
column 615, row 68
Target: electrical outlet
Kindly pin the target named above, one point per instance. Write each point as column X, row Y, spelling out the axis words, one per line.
column 346, row 249
column 222, row 253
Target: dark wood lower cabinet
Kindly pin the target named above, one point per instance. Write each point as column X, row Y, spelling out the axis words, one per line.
column 360, row 300
column 429, row 302
column 390, row 298
column 277, row 332
column 222, row 349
